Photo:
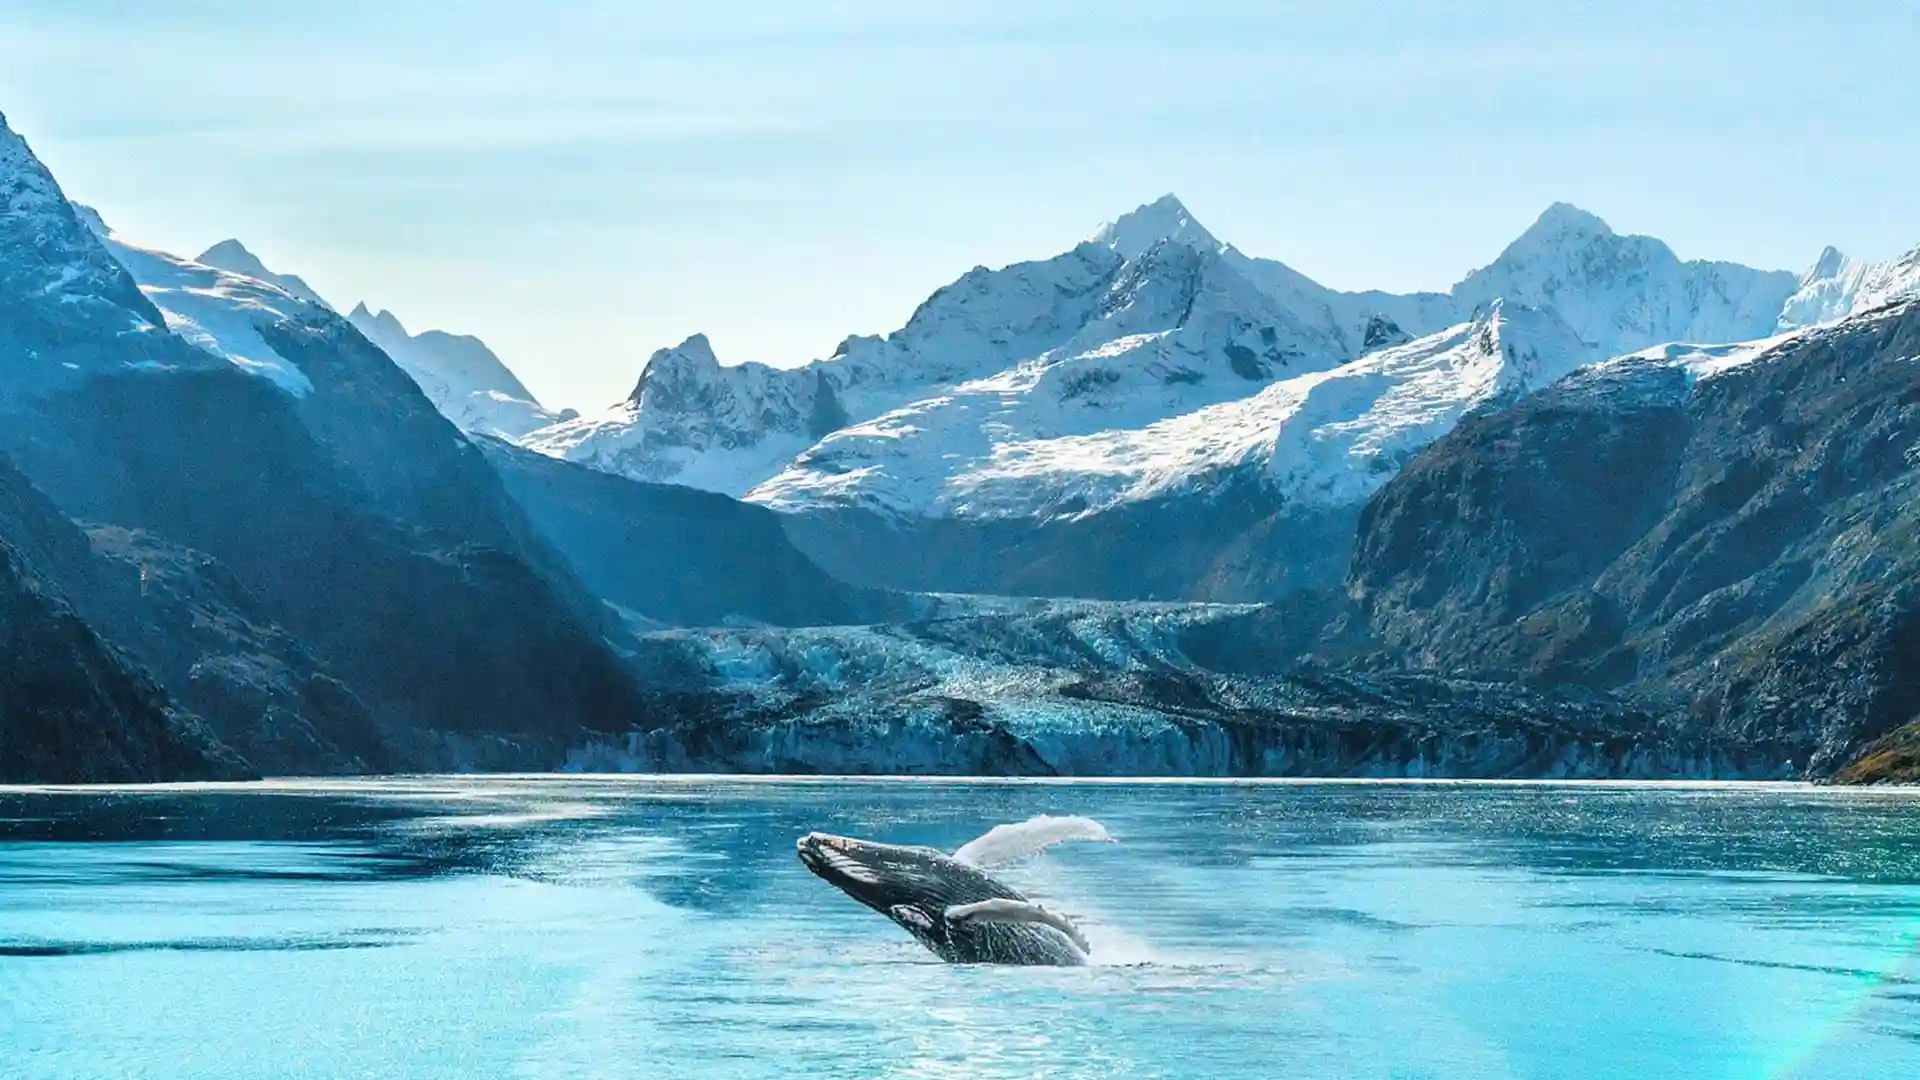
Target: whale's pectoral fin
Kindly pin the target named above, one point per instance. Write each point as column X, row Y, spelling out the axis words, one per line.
column 1025, row 911
column 1010, row 843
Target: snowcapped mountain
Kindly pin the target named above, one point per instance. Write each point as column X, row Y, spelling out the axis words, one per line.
column 1142, row 362
column 1624, row 293
column 1359, row 322
column 60, row 291
column 48, row 248
column 1324, row 436
column 1107, row 334
column 217, row 311
column 693, row 422
column 233, row 257
column 1837, row 287
column 465, row 380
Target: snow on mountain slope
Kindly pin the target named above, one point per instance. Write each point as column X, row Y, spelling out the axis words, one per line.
column 1329, row 436
column 465, row 380
column 1838, row 287
column 1341, row 316
column 1625, row 293
column 233, row 256
column 1667, row 374
column 48, row 249
column 1148, row 321
column 459, row 373
column 1165, row 218
column 1090, row 338
column 693, row 422
column 1181, row 329
column 215, row 310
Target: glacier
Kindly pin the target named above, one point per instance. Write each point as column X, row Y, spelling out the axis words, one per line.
column 1080, row 688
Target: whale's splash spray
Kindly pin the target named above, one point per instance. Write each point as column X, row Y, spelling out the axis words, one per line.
column 1003, row 844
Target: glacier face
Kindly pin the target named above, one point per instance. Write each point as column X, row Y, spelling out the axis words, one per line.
column 1068, row 688
column 1152, row 360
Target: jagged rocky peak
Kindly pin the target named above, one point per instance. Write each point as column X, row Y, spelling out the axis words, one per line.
column 48, row 250
column 1830, row 264
column 383, row 326
column 691, row 361
column 1164, row 219
column 1382, row 333
column 1158, row 286
column 1837, row 287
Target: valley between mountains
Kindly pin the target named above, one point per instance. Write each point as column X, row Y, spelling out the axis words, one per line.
column 1150, row 506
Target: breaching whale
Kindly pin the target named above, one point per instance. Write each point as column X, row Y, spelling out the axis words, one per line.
column 948, row 902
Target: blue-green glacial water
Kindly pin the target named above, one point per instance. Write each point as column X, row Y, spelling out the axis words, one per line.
column 471, row 928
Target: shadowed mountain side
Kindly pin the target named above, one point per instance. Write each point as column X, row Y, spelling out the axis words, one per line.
column 1239, row 542
column 678, row 555
column 1745, row 543
column 464, row 653
column 200, row 632
column 74, row 709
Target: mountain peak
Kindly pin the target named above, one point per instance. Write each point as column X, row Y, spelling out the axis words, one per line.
column 1830, row 263
column 230, row 249
column 233, row 256
column 696, row 348
column 384, row 321
column 1164, row 219
column 63, row 254
column 691, row 359
column 1565, row 219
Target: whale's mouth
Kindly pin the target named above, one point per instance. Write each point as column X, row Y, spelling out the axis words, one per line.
column 839, row 860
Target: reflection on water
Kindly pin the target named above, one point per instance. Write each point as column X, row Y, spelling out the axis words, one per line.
column 572, row 927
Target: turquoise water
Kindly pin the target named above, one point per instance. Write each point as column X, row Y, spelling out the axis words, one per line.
column 537, row 928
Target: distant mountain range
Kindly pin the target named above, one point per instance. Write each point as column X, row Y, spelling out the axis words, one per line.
column 1595, row 511
column 1156, row 415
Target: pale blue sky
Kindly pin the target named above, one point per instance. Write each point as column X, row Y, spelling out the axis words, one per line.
column 582, row 182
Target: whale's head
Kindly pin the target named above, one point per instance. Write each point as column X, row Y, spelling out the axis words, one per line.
column 886, row 877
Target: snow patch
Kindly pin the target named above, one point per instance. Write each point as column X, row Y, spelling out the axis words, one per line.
column 217, row 311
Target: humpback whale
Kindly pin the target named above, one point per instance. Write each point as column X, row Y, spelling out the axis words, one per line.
column 949, row 903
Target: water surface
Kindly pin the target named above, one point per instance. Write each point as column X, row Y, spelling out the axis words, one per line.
column 567, row 927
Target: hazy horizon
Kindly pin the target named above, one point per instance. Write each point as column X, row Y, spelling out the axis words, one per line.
column 586, row 184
